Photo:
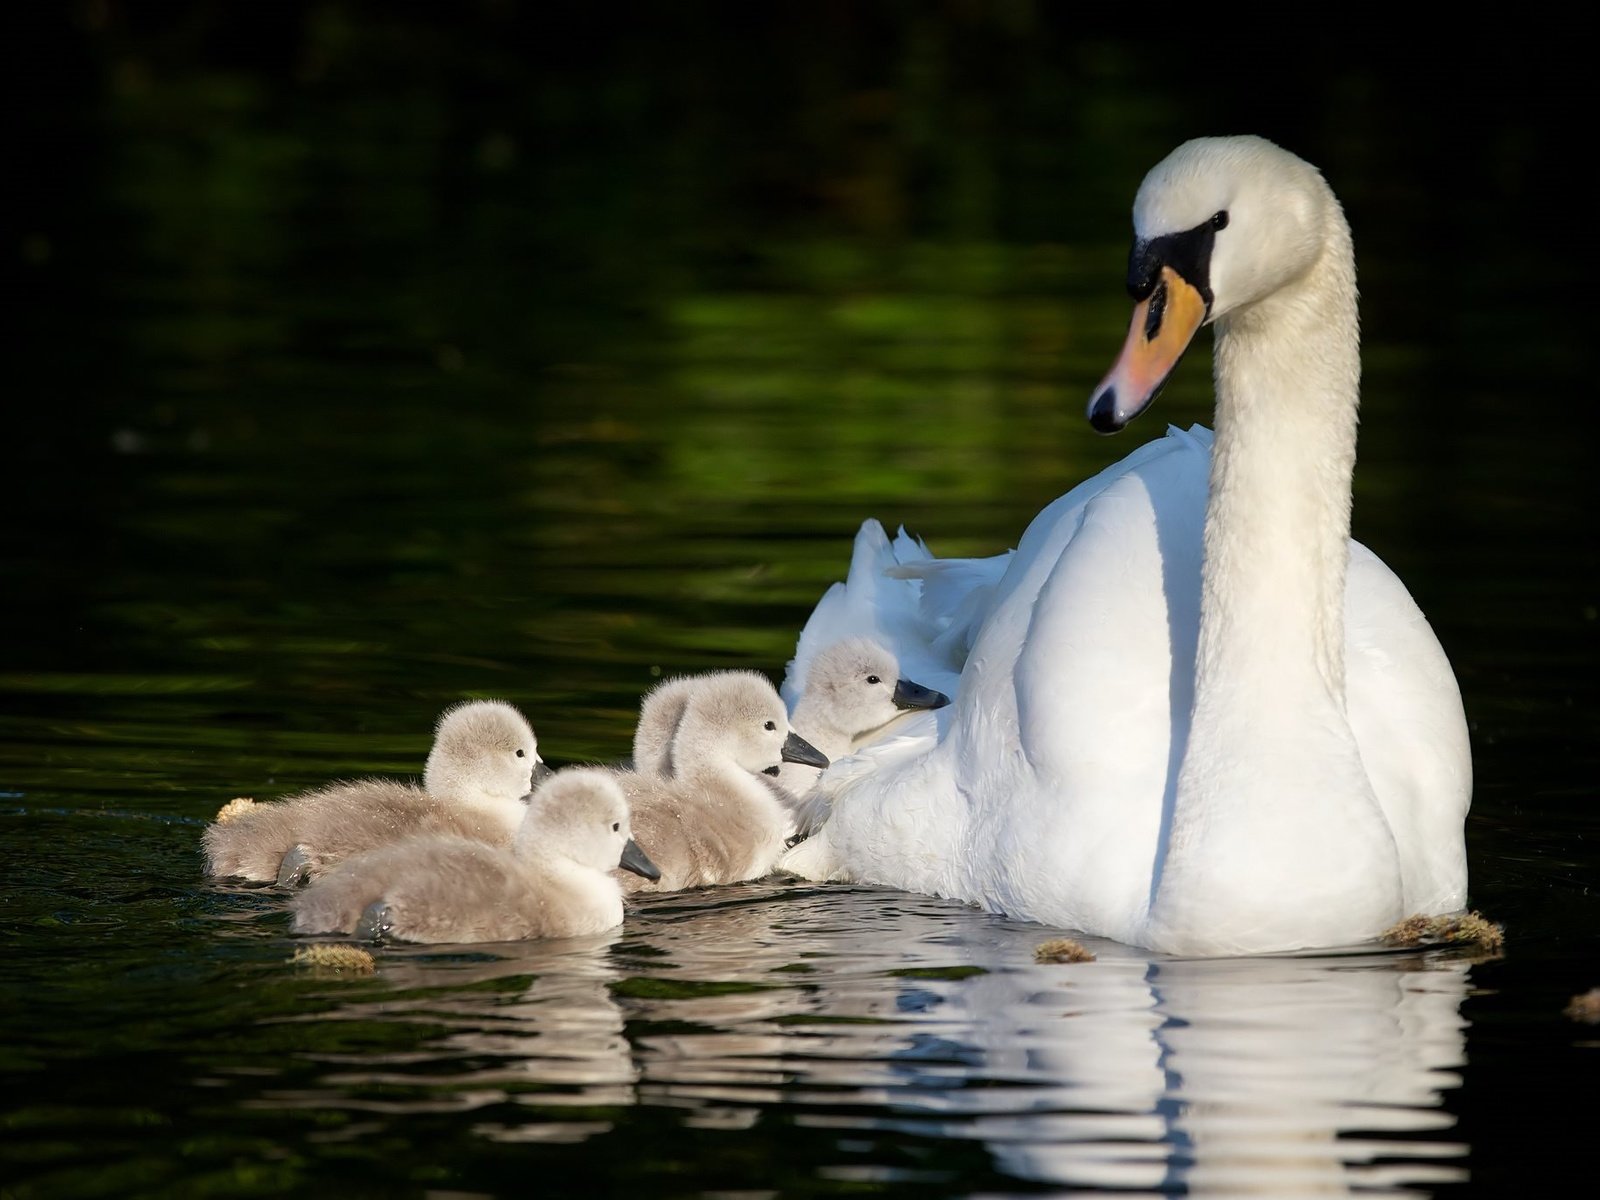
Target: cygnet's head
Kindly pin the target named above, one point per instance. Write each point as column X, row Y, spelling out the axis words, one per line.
column 738, row 717
column 855, row 685
column 483, row 750
column 582, row 815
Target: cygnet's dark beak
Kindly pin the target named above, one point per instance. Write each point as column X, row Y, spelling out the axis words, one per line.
column 797, row 750
column 541, row 772
column 913, row 695
column 635, row 860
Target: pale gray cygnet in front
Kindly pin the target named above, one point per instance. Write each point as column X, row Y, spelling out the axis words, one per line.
column 484, row 760
column 713, row 820
column 554, row 880
column 853, row 689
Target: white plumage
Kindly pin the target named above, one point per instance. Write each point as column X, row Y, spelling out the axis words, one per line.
column 1191, row 714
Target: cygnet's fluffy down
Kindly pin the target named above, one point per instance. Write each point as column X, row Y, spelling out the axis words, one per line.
column 484, row 760
column 853, row 692
column 553, row 881
column 659, row 714
column 713, row 820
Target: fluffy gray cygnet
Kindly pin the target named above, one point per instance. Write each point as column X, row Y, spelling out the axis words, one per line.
column 853, row 689
column 713, row 820
column 554, row 880
column 484, row 760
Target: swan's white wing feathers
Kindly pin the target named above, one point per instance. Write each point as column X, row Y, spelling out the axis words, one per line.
column 1405, row 710
column 869, row 603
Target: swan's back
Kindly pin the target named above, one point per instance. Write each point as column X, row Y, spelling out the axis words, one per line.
column 1049, row 791
column 1073, row 649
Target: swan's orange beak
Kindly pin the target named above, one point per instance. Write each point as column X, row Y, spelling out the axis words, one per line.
column 1164, row 323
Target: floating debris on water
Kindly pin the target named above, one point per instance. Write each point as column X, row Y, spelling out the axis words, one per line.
column 1462, row 929
column 336, row 958
column 1585, row 1008
column 1062, row 950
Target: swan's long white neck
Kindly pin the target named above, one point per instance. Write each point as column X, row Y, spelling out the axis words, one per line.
column 1273, row 809
column 1288, row 376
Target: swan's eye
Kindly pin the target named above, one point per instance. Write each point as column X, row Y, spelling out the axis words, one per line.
column 616, row 827
column 1220, row 221
column 873, row 679
column 770, row 725
column 520, row 754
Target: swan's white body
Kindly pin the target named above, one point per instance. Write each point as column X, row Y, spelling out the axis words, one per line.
column 1192, row 715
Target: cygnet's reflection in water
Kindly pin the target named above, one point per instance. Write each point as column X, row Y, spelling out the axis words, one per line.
column 528, row 1024
column 852, row 1023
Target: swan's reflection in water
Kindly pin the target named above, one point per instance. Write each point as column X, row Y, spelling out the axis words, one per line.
column 866, row 1016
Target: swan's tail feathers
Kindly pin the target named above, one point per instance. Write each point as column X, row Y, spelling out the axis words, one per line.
column 869, row 603
column 831, row 613
column 909, row 550
column 1196, row 435
column 957, row 597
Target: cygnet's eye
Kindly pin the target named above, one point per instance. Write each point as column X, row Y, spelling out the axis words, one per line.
column 873, row 679
column 616, row 827
column 1220, row 220
column 770, row 725
column 520, row 754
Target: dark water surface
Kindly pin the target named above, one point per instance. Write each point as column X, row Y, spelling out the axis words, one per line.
column 371, row 360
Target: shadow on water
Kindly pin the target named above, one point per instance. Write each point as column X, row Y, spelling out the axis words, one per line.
column 375, row 357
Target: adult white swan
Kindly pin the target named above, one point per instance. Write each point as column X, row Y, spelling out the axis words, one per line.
column 1192, row 714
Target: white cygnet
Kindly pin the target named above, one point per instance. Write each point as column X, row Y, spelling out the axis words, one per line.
column 484, row 760
column 553, row 881
column 713, row 820
column 853, row 690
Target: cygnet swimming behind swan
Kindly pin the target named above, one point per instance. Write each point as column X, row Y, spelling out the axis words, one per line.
column 713, row 821
column 553, row 881
column 852, row 691
column 485, row 758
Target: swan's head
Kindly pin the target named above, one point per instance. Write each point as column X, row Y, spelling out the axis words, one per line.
column 856, row 685
column 1218, row 225
column 483, row 750
column 581, row 814
column 738, row 717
